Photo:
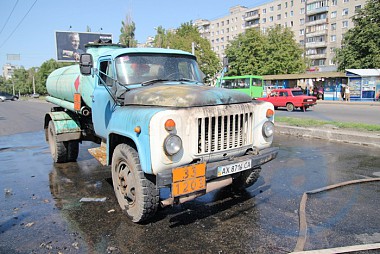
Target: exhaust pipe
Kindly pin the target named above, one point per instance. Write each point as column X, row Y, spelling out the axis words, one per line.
column 211, row 186
column 85, row 111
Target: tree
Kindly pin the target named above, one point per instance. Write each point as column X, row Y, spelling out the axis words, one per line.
column 182, row 39
column 127, row 36
column 246, row 54
column 361, row 44
column 265, row 54
column 284, row 55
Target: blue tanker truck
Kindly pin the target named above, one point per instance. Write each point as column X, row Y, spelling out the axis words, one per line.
column 157, row 125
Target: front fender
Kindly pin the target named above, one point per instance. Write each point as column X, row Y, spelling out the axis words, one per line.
column 123, row 123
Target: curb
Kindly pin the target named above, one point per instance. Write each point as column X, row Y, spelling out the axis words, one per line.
column 336, row 135
column 367, row 103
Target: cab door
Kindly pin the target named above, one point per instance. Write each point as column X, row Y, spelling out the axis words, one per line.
column 103, row 105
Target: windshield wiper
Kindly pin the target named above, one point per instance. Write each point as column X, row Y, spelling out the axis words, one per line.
column 189, row 80
column 152, row 81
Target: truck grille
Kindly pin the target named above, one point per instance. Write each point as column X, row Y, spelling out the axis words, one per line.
column 220, row 133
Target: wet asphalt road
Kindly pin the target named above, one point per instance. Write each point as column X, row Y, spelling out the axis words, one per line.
column 40, row 210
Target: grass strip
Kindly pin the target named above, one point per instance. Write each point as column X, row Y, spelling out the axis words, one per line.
column 306, row 122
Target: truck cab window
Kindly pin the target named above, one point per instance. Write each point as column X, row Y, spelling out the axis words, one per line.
column 106, row 73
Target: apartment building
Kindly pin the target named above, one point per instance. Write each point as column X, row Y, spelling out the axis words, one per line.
column 318, row 25
column 8, row 70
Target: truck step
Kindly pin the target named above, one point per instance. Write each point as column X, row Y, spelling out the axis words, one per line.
column 99, row 153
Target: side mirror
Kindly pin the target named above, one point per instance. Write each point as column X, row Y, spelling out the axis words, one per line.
column 85, row 64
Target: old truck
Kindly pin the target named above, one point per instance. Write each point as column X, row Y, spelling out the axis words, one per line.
column 157, row 125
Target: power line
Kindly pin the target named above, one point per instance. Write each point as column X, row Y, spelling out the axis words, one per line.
column 6, row 22
column 14, row 30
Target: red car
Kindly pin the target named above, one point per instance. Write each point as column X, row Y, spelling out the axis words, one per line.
column 290, row 98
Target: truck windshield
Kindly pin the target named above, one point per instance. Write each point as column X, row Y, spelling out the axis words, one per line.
column 139, row 68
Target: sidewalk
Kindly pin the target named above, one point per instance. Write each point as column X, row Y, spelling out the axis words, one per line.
column 369, row 103
column 371, row 139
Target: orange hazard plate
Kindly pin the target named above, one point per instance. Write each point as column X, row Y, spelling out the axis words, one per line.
column 188, row 179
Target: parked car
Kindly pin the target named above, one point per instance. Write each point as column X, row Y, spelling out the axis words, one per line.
column 6, row 96
column 291, row 98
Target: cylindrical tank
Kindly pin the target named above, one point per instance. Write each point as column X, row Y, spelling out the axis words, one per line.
column 64, row 82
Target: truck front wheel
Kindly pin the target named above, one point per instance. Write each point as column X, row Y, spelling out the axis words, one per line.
column 246, row 178
column 63, row 151
column 137, row 195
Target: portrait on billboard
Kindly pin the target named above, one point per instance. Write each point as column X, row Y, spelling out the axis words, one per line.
column 69, row 44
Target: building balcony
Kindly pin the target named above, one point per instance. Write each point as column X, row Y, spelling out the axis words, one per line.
column 317, row 56
column 316, row 33
column 316, row 44
column 247, row 26
column 317, row 22
column 318, row 10
column 251, row 17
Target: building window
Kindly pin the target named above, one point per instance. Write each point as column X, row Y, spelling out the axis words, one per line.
column 222, row 23
column 286, row 14
column 302, row 11
column 286, row 4
column 345, row 12
column 279, row 7
column 264, row 20
column 333, row 26
column 333, row 38
column 357, row 8
column 334, row 2
column 302, row 21
column 291, row 13
column 346, row 1
column 271, row 8
column 333, row 14
column 345, row 24
column 271, row 18
column 228, row 21
column 302, row 31
column 278, row 16
column 264, row 10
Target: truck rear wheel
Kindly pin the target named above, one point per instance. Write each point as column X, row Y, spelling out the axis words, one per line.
column 246, row 178
column 63, row 151
column 137, row 195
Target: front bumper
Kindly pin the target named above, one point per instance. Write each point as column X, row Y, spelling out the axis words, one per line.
column 164, row 179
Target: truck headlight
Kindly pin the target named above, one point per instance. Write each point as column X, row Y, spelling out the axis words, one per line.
column 268, row 129
column 172, row 144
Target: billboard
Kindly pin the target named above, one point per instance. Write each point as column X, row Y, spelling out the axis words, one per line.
column 69, row 44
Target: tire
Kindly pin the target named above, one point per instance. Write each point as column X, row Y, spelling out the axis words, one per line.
column 289, row 107
column 246, row 178
column 58, row 150
column 138, row 196
column 72, row 150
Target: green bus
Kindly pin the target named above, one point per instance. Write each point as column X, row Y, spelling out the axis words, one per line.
column 248, row 84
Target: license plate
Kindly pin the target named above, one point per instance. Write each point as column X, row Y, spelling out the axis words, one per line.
column 234, row 168
column 310, row 100
column 188, row 179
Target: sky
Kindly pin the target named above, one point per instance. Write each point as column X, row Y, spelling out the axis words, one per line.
column 27, row 27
